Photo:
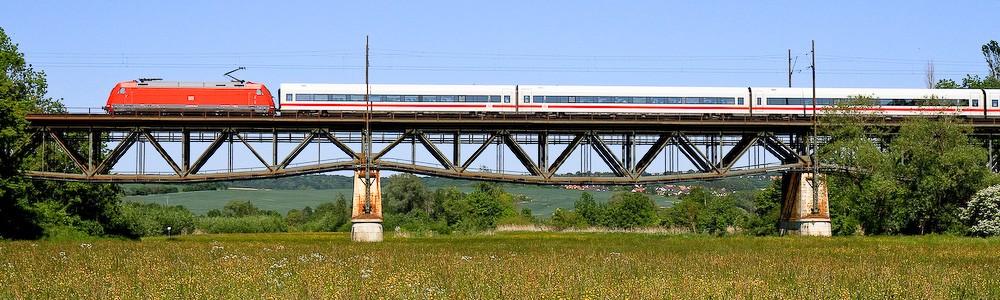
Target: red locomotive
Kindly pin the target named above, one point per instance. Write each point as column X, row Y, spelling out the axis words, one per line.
column 153, row 95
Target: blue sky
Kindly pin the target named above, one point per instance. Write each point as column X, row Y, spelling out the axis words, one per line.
column 86, row 47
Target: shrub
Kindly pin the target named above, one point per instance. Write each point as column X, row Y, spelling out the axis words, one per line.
column 153, row 219
column 983, row 212
column 248, row 224
column 630, row 210
column 563, row 219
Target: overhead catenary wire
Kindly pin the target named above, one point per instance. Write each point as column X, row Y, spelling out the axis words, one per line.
column 441, row 61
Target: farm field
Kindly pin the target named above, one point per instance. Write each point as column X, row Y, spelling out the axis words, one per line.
column 200, row 202
column 504, row 265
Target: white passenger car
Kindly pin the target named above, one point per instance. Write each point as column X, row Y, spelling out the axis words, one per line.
column 799, row 101
column 633, row 99
column 992, row 102
column 398, row 98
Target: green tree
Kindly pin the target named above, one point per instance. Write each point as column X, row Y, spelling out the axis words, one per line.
column 991, row 51
column 982, row 214
column 239, row 209
column 151, row 219
column 912, row 181
column 488, row 207
column 330, row 216
column 630, row 210
column 451, row 205
column 767, row 211
column 588, row 209
column 307, row 212
column 563, row 219
column 32, row 209
column 295, row 218
column 720, row 214
column 942, row 168
column 863, row 190
column 687, row 212
column 404, row 192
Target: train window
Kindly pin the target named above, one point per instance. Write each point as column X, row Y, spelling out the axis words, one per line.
column 996, row 103
column 393, row 98
column 789, row 101
column 121, row 90
column 586, row 99
column 375, row 98
column 303, row 97
column 477, row 99
column 447, row 98
column 758, row 101
column 657, row 100
column 556, row 99
column 495, row 99
column 639, row 100
column 411, row 98
column 428, row 98
column 605, row 100
column 288, row 97
column 739, row 101
column 260, row 93
column 461, row 98
column 975, row 103
column 527, row 99
column 506, row 99
column 355, row 97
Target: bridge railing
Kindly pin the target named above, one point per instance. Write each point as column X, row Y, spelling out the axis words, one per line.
column 76, row 112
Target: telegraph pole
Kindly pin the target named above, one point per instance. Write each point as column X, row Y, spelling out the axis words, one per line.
column 815, row 149
column 789, row 67
column 366, row 144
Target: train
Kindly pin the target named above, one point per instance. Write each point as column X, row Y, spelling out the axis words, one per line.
column 155, row 96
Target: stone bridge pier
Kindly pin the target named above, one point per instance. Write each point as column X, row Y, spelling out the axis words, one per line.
column 799, row 214
column 366, row 212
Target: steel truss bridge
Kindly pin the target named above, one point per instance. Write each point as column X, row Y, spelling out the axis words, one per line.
column 526, row 148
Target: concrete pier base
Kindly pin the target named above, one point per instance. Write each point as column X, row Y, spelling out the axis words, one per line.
column 366, row 211
column 797, row 214
column 366, row 232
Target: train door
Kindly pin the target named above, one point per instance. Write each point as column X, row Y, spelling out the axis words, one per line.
column 508, row 94
column 993, row 104
column 974, row 101
column 525, row 100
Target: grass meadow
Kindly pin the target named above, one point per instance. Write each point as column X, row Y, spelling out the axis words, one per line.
column 503, row 265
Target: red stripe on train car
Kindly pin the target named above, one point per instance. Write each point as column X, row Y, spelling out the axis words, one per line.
column 385, row 105
column 867, row 109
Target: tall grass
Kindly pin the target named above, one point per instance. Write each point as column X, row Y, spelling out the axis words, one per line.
column 504, row 265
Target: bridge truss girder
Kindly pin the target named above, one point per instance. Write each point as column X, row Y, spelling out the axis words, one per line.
column 712, row 153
